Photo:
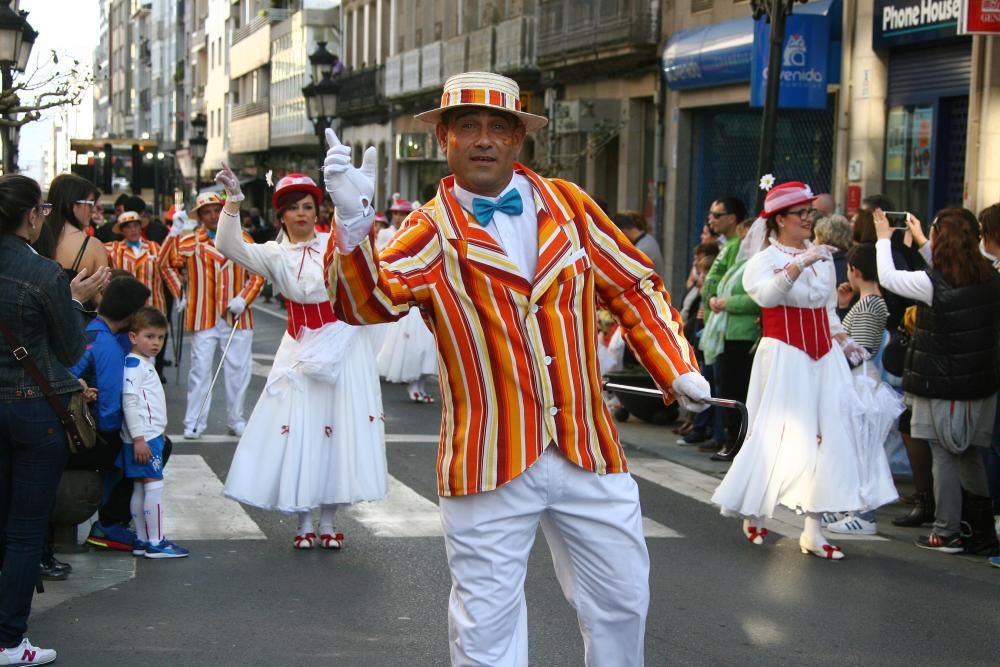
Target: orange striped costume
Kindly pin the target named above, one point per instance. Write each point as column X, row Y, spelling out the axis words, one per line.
column 518, row 360
column 212, row 280
column 144, row 266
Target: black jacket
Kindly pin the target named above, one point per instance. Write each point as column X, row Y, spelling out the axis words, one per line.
column 955, row 350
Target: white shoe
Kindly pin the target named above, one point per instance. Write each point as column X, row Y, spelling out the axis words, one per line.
column 237, row 430
column 191, row 435
column 831, row 517
column 26, row 654
column 852, row 525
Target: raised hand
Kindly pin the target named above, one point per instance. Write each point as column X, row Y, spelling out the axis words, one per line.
column 230, row 183
column 815, row 253
column 350, row 188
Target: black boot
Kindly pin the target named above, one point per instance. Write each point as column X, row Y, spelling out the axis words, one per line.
column 979, row 536
column 922, row 512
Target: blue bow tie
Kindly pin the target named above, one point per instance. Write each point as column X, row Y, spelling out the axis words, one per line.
column 510, row 203
column 135, row 245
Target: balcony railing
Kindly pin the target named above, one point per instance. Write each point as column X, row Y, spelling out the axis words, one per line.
column 568, row 27
column 515, row 45
column 258, row 22
column 393, row 75
column 431, row 61
column 455, row 50
column 250, row 109
column 481, row 50
column 361, row 90
column 411, row 72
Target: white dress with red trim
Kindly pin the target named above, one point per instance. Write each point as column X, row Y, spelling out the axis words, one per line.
column 408, row 350
column 800, row 450
column 316, row 436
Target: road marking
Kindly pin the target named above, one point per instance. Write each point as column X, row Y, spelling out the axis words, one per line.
column 92, row 571
column 402, row 513
column 260, row 370
column 700, row 487
column 264, row 356
column 204, row 438
column 281, row 315
column 195, row 508
column 411, row 437
column 653, row 529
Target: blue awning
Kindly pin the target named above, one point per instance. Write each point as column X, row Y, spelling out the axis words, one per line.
column 721, row 53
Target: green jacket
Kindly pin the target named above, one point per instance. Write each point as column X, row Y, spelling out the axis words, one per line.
column 742, row 311
column 722, row 263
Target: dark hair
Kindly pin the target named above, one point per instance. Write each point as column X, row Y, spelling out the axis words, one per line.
column 862, row 257
column 120, row 201
column 122, row 298
column 64, row 191
column 864, row 226
column 872, row 202
column 964, row 214
column 733, row 205
column 134, row 204
column 148, row 317
column 989, row 223
column 18, row 195
column 955, row 252
column 707, row 250
column 630, row 220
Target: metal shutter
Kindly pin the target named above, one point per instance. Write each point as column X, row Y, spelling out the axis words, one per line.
column 917, row 75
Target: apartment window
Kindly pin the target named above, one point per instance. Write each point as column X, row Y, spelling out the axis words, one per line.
column 211, row 54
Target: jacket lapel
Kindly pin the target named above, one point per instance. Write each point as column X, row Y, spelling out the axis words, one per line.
column 554, row 241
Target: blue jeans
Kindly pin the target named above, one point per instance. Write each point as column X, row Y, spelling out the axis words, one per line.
column 33, row 453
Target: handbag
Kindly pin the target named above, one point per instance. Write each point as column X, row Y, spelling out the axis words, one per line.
column 894, row 354
column 81, row 431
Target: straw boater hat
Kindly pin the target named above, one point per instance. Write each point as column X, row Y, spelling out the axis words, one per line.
column 296, row 183
column 124, row 218
column 785, row 196
column 207, row 199
column 483, row 89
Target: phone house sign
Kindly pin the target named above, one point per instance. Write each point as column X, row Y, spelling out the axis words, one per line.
column 912, row 21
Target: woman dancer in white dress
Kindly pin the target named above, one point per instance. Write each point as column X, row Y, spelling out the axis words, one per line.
column 408, row 352
column 800, row 450
column 316, row 437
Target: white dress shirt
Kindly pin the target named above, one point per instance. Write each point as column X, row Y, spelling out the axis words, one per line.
column 517, row 234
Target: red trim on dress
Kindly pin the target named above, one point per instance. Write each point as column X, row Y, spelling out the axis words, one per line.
column 308, row 316
column 807, row 329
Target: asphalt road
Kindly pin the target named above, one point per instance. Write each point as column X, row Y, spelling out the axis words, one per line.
column 245, row 597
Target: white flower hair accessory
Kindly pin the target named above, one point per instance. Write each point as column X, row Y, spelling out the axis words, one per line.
column 767, row 182
column 267, row 178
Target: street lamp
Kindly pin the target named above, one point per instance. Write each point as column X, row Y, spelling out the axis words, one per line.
column 198, row 144
column 776, row 12
column 16, row 39
column 321, row 93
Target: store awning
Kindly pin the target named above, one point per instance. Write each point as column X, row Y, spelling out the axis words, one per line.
column 721, row 53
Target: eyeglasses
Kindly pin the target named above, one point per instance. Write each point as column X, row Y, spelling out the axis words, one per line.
column 86, row 202
column 803, row 212
column 717, row 215
column 44, row 208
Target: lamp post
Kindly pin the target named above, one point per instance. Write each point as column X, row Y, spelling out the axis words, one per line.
column 198, row 144
column 17, row 38
column 321, row 93
column 776, row 12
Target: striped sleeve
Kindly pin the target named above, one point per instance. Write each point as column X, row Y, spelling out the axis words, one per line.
column 368, row 287
column 627, row 282
column 168, row 261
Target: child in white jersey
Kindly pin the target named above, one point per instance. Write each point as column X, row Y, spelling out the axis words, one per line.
column 141, row 457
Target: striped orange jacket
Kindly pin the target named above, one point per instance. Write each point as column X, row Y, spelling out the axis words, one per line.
column 212, row 280
column 517, row 359
column 143, row 265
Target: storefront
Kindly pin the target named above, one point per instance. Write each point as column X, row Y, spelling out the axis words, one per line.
column 716, row 140
column 927, row 102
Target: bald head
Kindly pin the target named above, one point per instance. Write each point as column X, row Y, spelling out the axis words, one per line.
column 823, row 205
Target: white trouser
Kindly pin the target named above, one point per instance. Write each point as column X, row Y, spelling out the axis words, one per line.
column 593, row 526
column 237, row 374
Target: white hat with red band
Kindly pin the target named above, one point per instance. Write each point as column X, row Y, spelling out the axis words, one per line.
column 483, row 89
column 784, row 196
column 296, row 183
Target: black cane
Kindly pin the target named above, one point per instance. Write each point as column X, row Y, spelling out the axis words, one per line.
column 179, row 344
column 719, row 402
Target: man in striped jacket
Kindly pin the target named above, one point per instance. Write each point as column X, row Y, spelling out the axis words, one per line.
column 218, row 295
column 506, row 267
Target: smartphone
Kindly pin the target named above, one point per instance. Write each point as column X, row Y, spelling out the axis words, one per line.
column 896, row 218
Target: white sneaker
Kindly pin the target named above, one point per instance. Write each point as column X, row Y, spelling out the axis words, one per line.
column 852, row 525
column 831, row 517
column 191, row 435
column 26, row 654
column 237, row 430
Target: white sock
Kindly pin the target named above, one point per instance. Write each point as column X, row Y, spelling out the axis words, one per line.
column 305, row 522
column 326, row 517
column 137, row 507
column 413, row 388
column 812, row 532
column 152, row 506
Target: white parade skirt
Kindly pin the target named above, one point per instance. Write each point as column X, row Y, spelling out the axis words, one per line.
column 316, row 436
column 408, row 350
column 800, row 450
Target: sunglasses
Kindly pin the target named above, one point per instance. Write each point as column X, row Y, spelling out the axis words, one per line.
column 44, row 208
column 717, row 215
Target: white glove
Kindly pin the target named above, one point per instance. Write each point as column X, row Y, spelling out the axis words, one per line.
column 855, row 353
column 177, row 225
column 236, row 306
column 815, row 253
column 690, row 390
column 180, row 304
column 351, row 190
column 230, row 183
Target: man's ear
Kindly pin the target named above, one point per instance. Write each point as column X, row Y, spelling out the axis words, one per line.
column 441, row 132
